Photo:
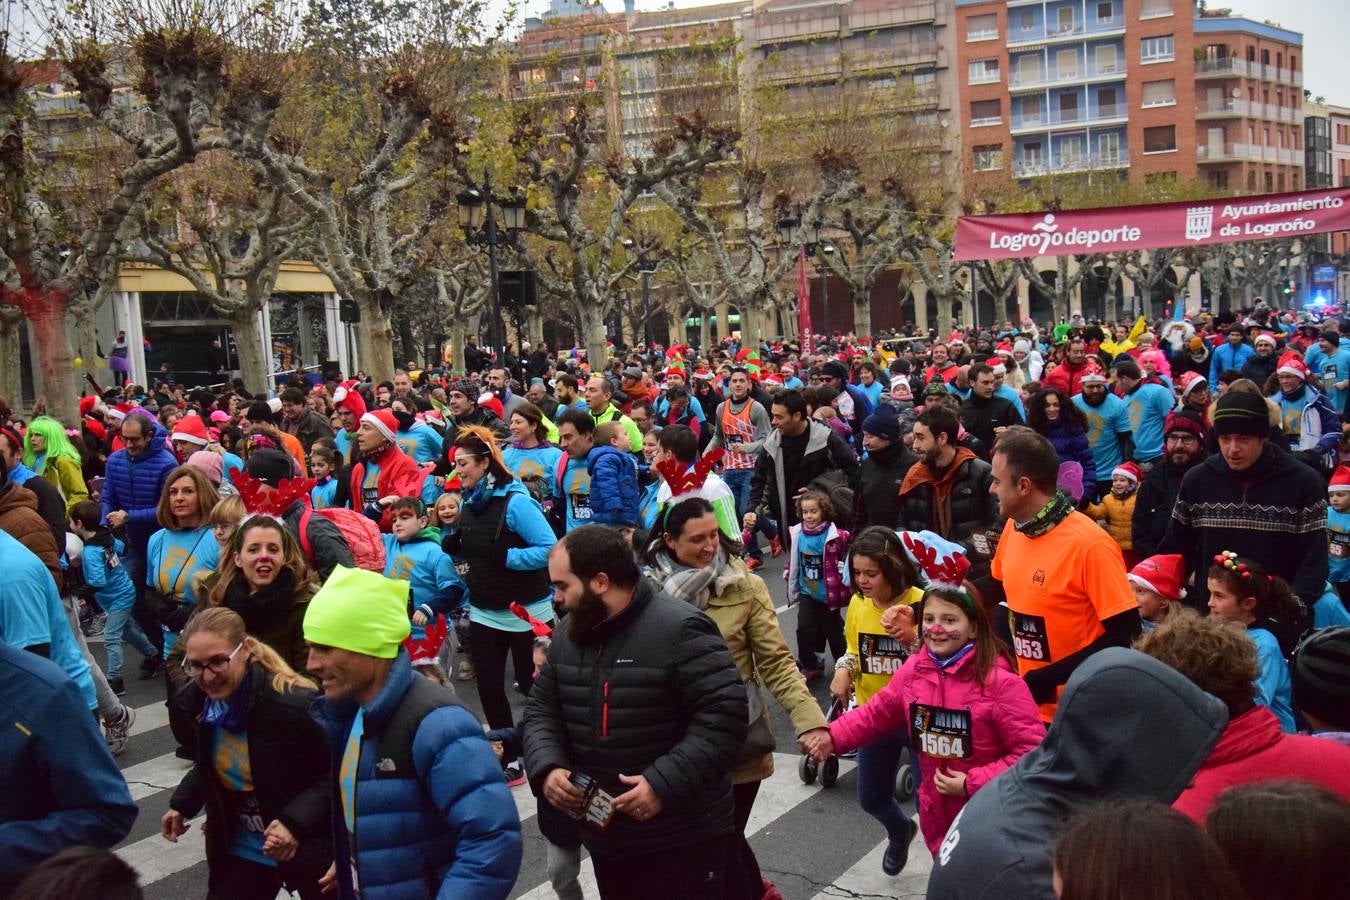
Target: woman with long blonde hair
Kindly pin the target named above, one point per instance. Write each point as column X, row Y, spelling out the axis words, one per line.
column 265, row 577
column 269, row 811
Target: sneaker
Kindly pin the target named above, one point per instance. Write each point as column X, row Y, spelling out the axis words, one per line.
column 776, row 546
column 150, row 667
column 117, row 686
column 752, row 564
column 119, row 731
column 897, row 853
column 97, row 625
column 465, row 671
column 514, row 773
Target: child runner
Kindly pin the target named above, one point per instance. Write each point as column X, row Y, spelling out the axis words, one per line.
column 815, row 578
column 880, row 635
column 1157, row 587
column 1117, row 508
column 447, row 520
column 1338, row 532
column 1241, row 591
column 970, row 713
column 322, row 465
column 111, row 586
column 413, row 553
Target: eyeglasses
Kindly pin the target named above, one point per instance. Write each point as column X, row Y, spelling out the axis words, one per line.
column 214, row 666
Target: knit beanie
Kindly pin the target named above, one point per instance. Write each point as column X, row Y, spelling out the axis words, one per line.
column 211, row 463
column 461, row 386
column 884, row 423
column 359, row 611
column 260, row 411
column 1320, row 672
column 1021, row 345
column 1239, row 412
column 1184, row 420
column 936, row 387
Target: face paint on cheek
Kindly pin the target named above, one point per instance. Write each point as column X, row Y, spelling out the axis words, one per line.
column 935, row 631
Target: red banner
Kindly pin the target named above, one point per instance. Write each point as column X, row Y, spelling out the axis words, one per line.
column 805, row 337
column 1224, row 221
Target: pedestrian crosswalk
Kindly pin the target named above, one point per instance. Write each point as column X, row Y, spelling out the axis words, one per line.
column 811, row 841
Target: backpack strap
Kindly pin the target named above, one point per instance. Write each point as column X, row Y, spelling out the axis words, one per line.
column 394, row 753
column 305, row 544
column 501, row 522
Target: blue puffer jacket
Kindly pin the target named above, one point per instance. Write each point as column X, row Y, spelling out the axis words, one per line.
column 133, row 483
column 1072, row 445
column 614, row 487
column 451, row 831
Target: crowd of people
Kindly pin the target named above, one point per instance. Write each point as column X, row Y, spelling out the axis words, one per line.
column 1083, row 573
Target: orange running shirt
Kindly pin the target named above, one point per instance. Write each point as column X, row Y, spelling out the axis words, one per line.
column 1060, row 587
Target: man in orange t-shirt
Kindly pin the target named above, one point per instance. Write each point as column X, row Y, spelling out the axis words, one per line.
column 1061, row 574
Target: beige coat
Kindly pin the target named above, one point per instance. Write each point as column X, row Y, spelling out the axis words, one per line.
column 745, row 616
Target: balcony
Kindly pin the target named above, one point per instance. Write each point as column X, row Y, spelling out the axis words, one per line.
column 1058, row 119
column 1023, row 81
column 1222, row 68
column 1054, row 32
column 1226, row 153
column 1228, row 109
column 1037, row 165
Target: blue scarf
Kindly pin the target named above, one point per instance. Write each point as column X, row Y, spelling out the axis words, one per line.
column 951, row 660
column 232, row 712
column 481, row 492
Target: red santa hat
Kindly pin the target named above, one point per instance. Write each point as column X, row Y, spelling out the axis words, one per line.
column 119, row 412
column 488, row 400
column 1265, row 337
column 1189, row 381
column 1127, row 470
column 383, row 421
column 703, row 373
column 773, row 378
column 996, row 363
column 87, row 405
column 1004, row 349
column 190, row 429
column 1093, row 373
column 1292, row 364
column 955, row 338
column 1163, row 575
column 348, row 397
column 1340, row 480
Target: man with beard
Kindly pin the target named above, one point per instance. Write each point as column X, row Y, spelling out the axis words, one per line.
column 660, row 732
column 499, row 383
column 1147, row 403
column 1108, row 424
column 1261, row 366
column 461, row 398
column 1068, row 375
column 1183, row 447
column 942, row 366
column 983, row 414
column 947, row 490
column 568, row 391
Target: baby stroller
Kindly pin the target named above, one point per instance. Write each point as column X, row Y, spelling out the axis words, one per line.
column 828, row 771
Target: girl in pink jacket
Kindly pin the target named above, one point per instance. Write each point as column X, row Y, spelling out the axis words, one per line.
column 969, row 714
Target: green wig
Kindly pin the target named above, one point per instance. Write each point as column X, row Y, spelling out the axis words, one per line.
column 54, row 438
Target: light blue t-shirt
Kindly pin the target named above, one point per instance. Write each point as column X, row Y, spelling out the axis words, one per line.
column 1105, row 424
column 230, row 760
column 873, row 392
column 1274, row 688
column 103, row 572
column 535, row 462
column 421, row 442
column 576, row 493
column 351, row 760
column 1338, row 545
column 811, row 565
column 1148, row 406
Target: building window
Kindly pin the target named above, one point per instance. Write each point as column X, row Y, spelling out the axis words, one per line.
column 1219, row 179
column 1160, row 93
column 1251, row 54
column 1153, row 178
column 1025, row 20
column 1162, row 139
column 986, row 112
column 1156, row 49
column 983, row 71
column 1293, row 62
column 1155, row 9
column 1251, row 181
column 1265, row 57
column 988, row 158
column 1104, row 11
column 1279, row 182
column 982, row 28
column 1270, row 182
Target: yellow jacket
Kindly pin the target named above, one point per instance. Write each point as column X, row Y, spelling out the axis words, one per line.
column 745, row 616
column 1114, row 349
column 1118, row 513
column 65, row 473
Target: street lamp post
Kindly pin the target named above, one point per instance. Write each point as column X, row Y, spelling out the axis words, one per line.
column 478, row 217
column 788, row 226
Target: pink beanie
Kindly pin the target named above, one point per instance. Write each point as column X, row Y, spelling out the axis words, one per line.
column 209, row 462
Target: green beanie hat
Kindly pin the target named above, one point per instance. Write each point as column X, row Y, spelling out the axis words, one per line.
column 360, row 611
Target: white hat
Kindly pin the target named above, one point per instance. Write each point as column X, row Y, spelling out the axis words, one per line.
column 1021, row 345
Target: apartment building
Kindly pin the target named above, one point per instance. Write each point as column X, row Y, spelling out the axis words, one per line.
column 1141, row 89
column 1326, row 141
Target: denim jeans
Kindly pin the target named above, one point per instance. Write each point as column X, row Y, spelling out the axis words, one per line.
column 878, row 766
column 120, row 621
column 738, row 482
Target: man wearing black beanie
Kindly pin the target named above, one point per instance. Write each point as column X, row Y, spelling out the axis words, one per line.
column 1254, row 499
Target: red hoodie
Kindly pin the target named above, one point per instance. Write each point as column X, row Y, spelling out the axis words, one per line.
column 1252, row 749
column 398, row 476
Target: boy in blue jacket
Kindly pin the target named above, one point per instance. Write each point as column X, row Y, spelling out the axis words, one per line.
column 111, row 586
column 614, row 482
column 413, row 554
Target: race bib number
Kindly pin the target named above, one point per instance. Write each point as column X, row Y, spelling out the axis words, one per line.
column 581, row 507
column 940, row 732
column 1029, row 639
column 1329, row 375
column 250, row 817
column 111, row 559
column 1338, row 545
column 984, row 542
column 811, row 566
column 881, row 654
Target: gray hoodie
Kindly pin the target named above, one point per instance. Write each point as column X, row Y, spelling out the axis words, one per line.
column 1126, row 725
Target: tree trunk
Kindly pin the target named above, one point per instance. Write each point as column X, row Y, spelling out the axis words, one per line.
column 407, row 340
column 253, row 356
column 944, row 315
column 55, row 358
column 591, row 318
column 862, row 312
column 375, row 342
column 458, row 338
column 11, row 357
column 86, row 338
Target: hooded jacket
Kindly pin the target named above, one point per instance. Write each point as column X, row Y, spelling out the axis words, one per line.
column 134, row 483
column 1275, row 513
column 307, row 429
column 20, row 520
column 825, row 451
column 614, row 488
column 398, row 475
column 1116, row 702
column 880, row 475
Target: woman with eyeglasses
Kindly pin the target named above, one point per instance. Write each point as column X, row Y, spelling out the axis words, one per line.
column 265, row 577
column 503, row 541
column 260, row 765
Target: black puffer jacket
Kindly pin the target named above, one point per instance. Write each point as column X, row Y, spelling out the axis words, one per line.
column 878, row 498
column 1153, row 505
column 973, row 511
column 676, row 714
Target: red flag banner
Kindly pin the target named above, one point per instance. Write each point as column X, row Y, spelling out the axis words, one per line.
column 805, row 336
column 1223, row 221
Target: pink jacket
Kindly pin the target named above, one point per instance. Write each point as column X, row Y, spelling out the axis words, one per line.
column 1004, row 724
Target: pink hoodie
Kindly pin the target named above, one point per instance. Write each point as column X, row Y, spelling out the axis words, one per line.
column 1004, row 724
